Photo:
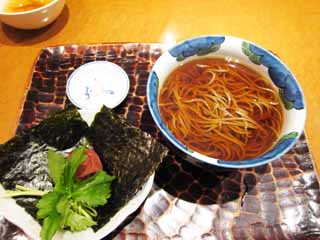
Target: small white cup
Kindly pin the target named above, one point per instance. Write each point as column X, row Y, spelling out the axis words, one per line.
column 32, row 19
column 98, row 83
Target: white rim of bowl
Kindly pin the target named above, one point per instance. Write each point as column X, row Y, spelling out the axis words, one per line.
column 29, row 11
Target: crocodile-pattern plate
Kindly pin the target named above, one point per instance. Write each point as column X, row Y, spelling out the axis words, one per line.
column 279, row 200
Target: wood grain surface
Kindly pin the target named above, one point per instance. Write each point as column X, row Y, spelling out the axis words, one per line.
column 289, row 28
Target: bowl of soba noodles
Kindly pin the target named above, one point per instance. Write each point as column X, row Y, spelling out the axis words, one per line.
column 225, row 101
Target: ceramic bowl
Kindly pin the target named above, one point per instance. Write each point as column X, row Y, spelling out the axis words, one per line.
column 32, row 19
column 250, row 54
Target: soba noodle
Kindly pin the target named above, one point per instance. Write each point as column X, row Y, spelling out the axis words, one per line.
column 221, row 109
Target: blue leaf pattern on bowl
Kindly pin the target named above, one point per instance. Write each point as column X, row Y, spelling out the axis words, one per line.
column 199, row 46
column 281, row 77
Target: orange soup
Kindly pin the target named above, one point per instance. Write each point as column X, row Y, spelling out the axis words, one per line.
column 222, row 109
column 24, row 5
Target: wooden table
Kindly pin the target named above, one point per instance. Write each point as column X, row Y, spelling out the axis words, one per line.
column 289, row 28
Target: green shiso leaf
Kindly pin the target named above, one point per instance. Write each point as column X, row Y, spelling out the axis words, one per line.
column 93, row 191
column 50, row 226
column 47, row 204
column 77, row 221
column 56, row 164
column 72, row 164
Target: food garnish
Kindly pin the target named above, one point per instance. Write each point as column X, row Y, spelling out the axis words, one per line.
column 80, row 185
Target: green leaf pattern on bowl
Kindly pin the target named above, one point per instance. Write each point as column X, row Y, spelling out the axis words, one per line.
column 287, row 104
column 213, row 48
column 289, row 135
column 253, row 57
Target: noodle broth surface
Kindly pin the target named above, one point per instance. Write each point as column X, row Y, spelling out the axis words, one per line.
column 24, row 5
column 221, row 109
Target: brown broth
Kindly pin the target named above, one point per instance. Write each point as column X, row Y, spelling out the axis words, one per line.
column 24, row 5
column 221, row 109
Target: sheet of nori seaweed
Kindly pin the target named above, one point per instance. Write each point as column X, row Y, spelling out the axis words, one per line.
column 62, row 129
column 23, row 159
column 127, row 153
